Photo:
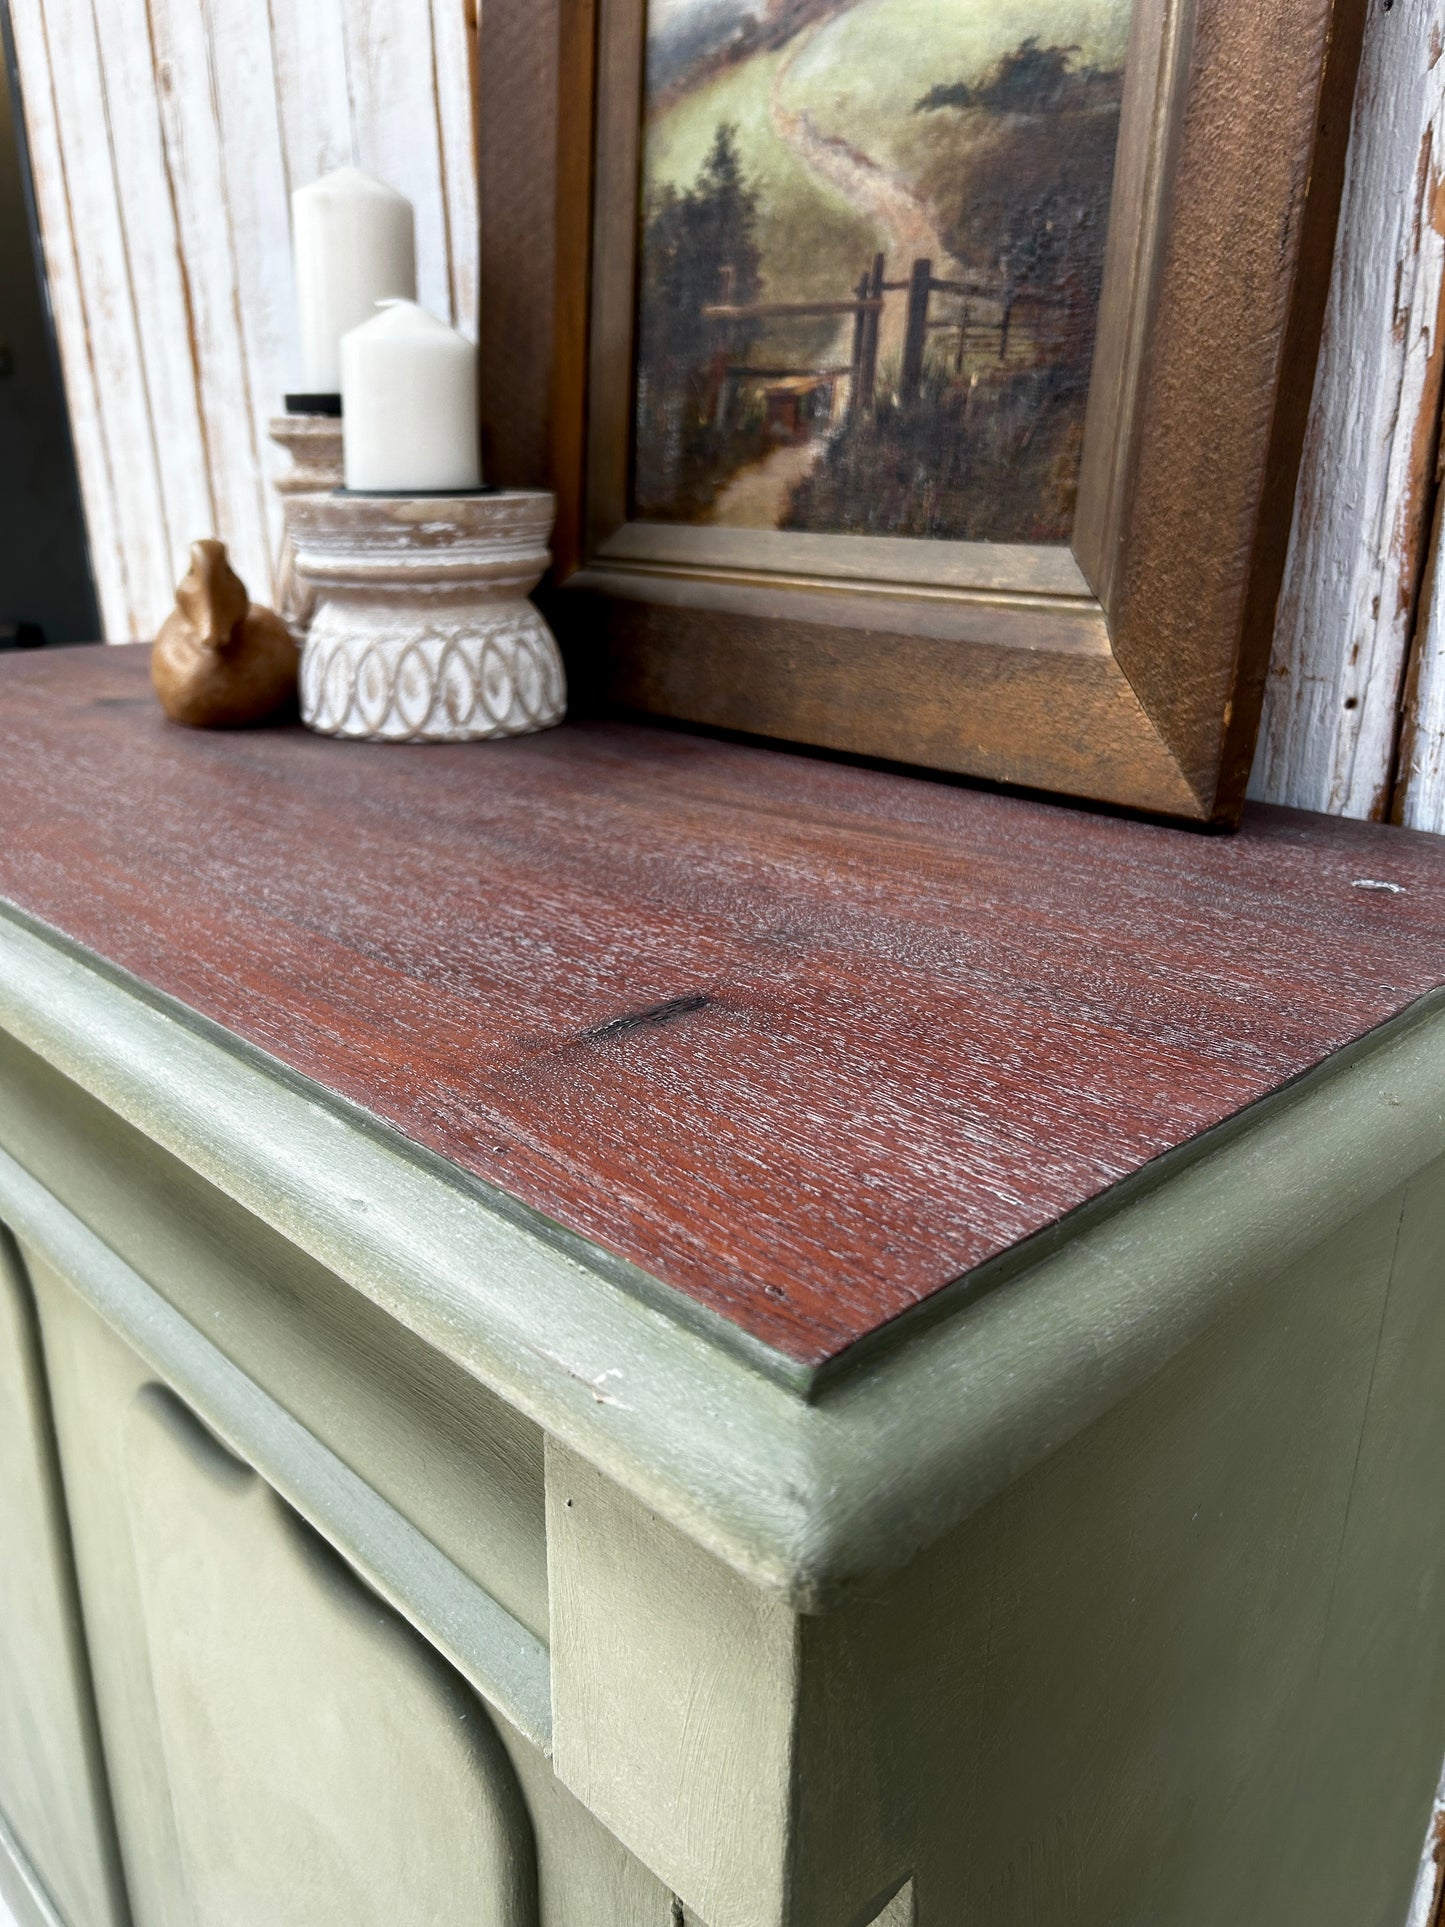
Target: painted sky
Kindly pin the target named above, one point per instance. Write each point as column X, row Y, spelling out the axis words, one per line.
column 663, row 15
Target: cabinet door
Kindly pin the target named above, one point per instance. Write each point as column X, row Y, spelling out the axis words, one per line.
column 53, row 1803
column 323, row 1764
column 284, row 1747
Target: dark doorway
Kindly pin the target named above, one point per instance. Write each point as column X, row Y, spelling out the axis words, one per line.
column 46, row 593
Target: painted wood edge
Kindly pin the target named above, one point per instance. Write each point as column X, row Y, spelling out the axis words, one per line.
column 804, row 1488
column 624, row 1376
column 506, row 1663
column 21, row 1888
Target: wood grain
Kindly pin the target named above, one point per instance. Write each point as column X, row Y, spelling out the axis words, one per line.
column 816, row 678
column 806, row 1041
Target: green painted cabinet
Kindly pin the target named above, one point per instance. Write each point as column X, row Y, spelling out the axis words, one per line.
column 1118, row 1597
column 622, row 1331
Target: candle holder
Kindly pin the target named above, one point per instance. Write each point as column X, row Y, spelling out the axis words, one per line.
column 422, row 631
column 312, row 438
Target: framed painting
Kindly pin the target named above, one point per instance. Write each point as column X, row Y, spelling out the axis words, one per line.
column 931, row 375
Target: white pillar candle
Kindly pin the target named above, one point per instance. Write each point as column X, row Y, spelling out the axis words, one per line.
column 409, row 403
column 355, row 241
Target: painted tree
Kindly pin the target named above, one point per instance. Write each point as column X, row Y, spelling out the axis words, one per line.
column 1021, row 172
column 699, row 248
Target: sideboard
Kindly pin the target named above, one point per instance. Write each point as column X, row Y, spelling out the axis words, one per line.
column 621, row 1329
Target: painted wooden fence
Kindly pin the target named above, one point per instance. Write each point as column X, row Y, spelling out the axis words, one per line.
column 166, row 135
column 165, row 138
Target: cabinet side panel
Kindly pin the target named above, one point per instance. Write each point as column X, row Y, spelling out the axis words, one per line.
column 1192, row 1667
column 1377, row 1714
column 52, row 1790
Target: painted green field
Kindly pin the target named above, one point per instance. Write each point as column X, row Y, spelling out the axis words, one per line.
column 814, row 244
column 857, row 78
column 861, row 74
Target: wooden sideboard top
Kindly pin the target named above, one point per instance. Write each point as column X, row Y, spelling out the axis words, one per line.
column 806, row 1041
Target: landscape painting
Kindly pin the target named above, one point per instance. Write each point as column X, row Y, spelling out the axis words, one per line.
column 871, row 249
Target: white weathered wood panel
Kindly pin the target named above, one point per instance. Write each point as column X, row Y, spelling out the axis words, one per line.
column 70, row 146
column 143, row 188
column 311, row 88
column 166, row 136
column 1420, row 797
column 217, row 271
column 454, row 51
column 1425, row 1902
column 1346, row 617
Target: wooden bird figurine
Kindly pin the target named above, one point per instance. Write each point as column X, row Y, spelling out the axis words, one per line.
column 221, row 660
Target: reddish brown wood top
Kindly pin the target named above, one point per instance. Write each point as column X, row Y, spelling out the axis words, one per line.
column 805, row 1041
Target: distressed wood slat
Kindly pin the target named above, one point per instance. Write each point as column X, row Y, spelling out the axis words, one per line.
column 1332, row 708
column 59, row 42
column 67, row 302
column 171, row 273
column 254, row 173
column 1420, row 792
column 309, row 51
column 217, row 259
column 146, row 197
column 389, row 61
column 806, row 1041
column 454, row 27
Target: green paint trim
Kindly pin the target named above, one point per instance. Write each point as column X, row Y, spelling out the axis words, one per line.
column 21, row 1888
column 803, row 1484
column 508, row 1665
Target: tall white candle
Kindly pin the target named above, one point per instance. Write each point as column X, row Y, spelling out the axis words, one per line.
column 409, row 403
column 355, row 241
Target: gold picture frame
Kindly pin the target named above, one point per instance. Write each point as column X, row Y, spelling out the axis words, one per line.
column 1126, row 667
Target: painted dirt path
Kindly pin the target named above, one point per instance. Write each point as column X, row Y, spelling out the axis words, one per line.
column 878, row 193
column 757, row 495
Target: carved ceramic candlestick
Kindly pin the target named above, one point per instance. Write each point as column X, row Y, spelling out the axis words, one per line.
column 314, row 444
column 423, row 632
